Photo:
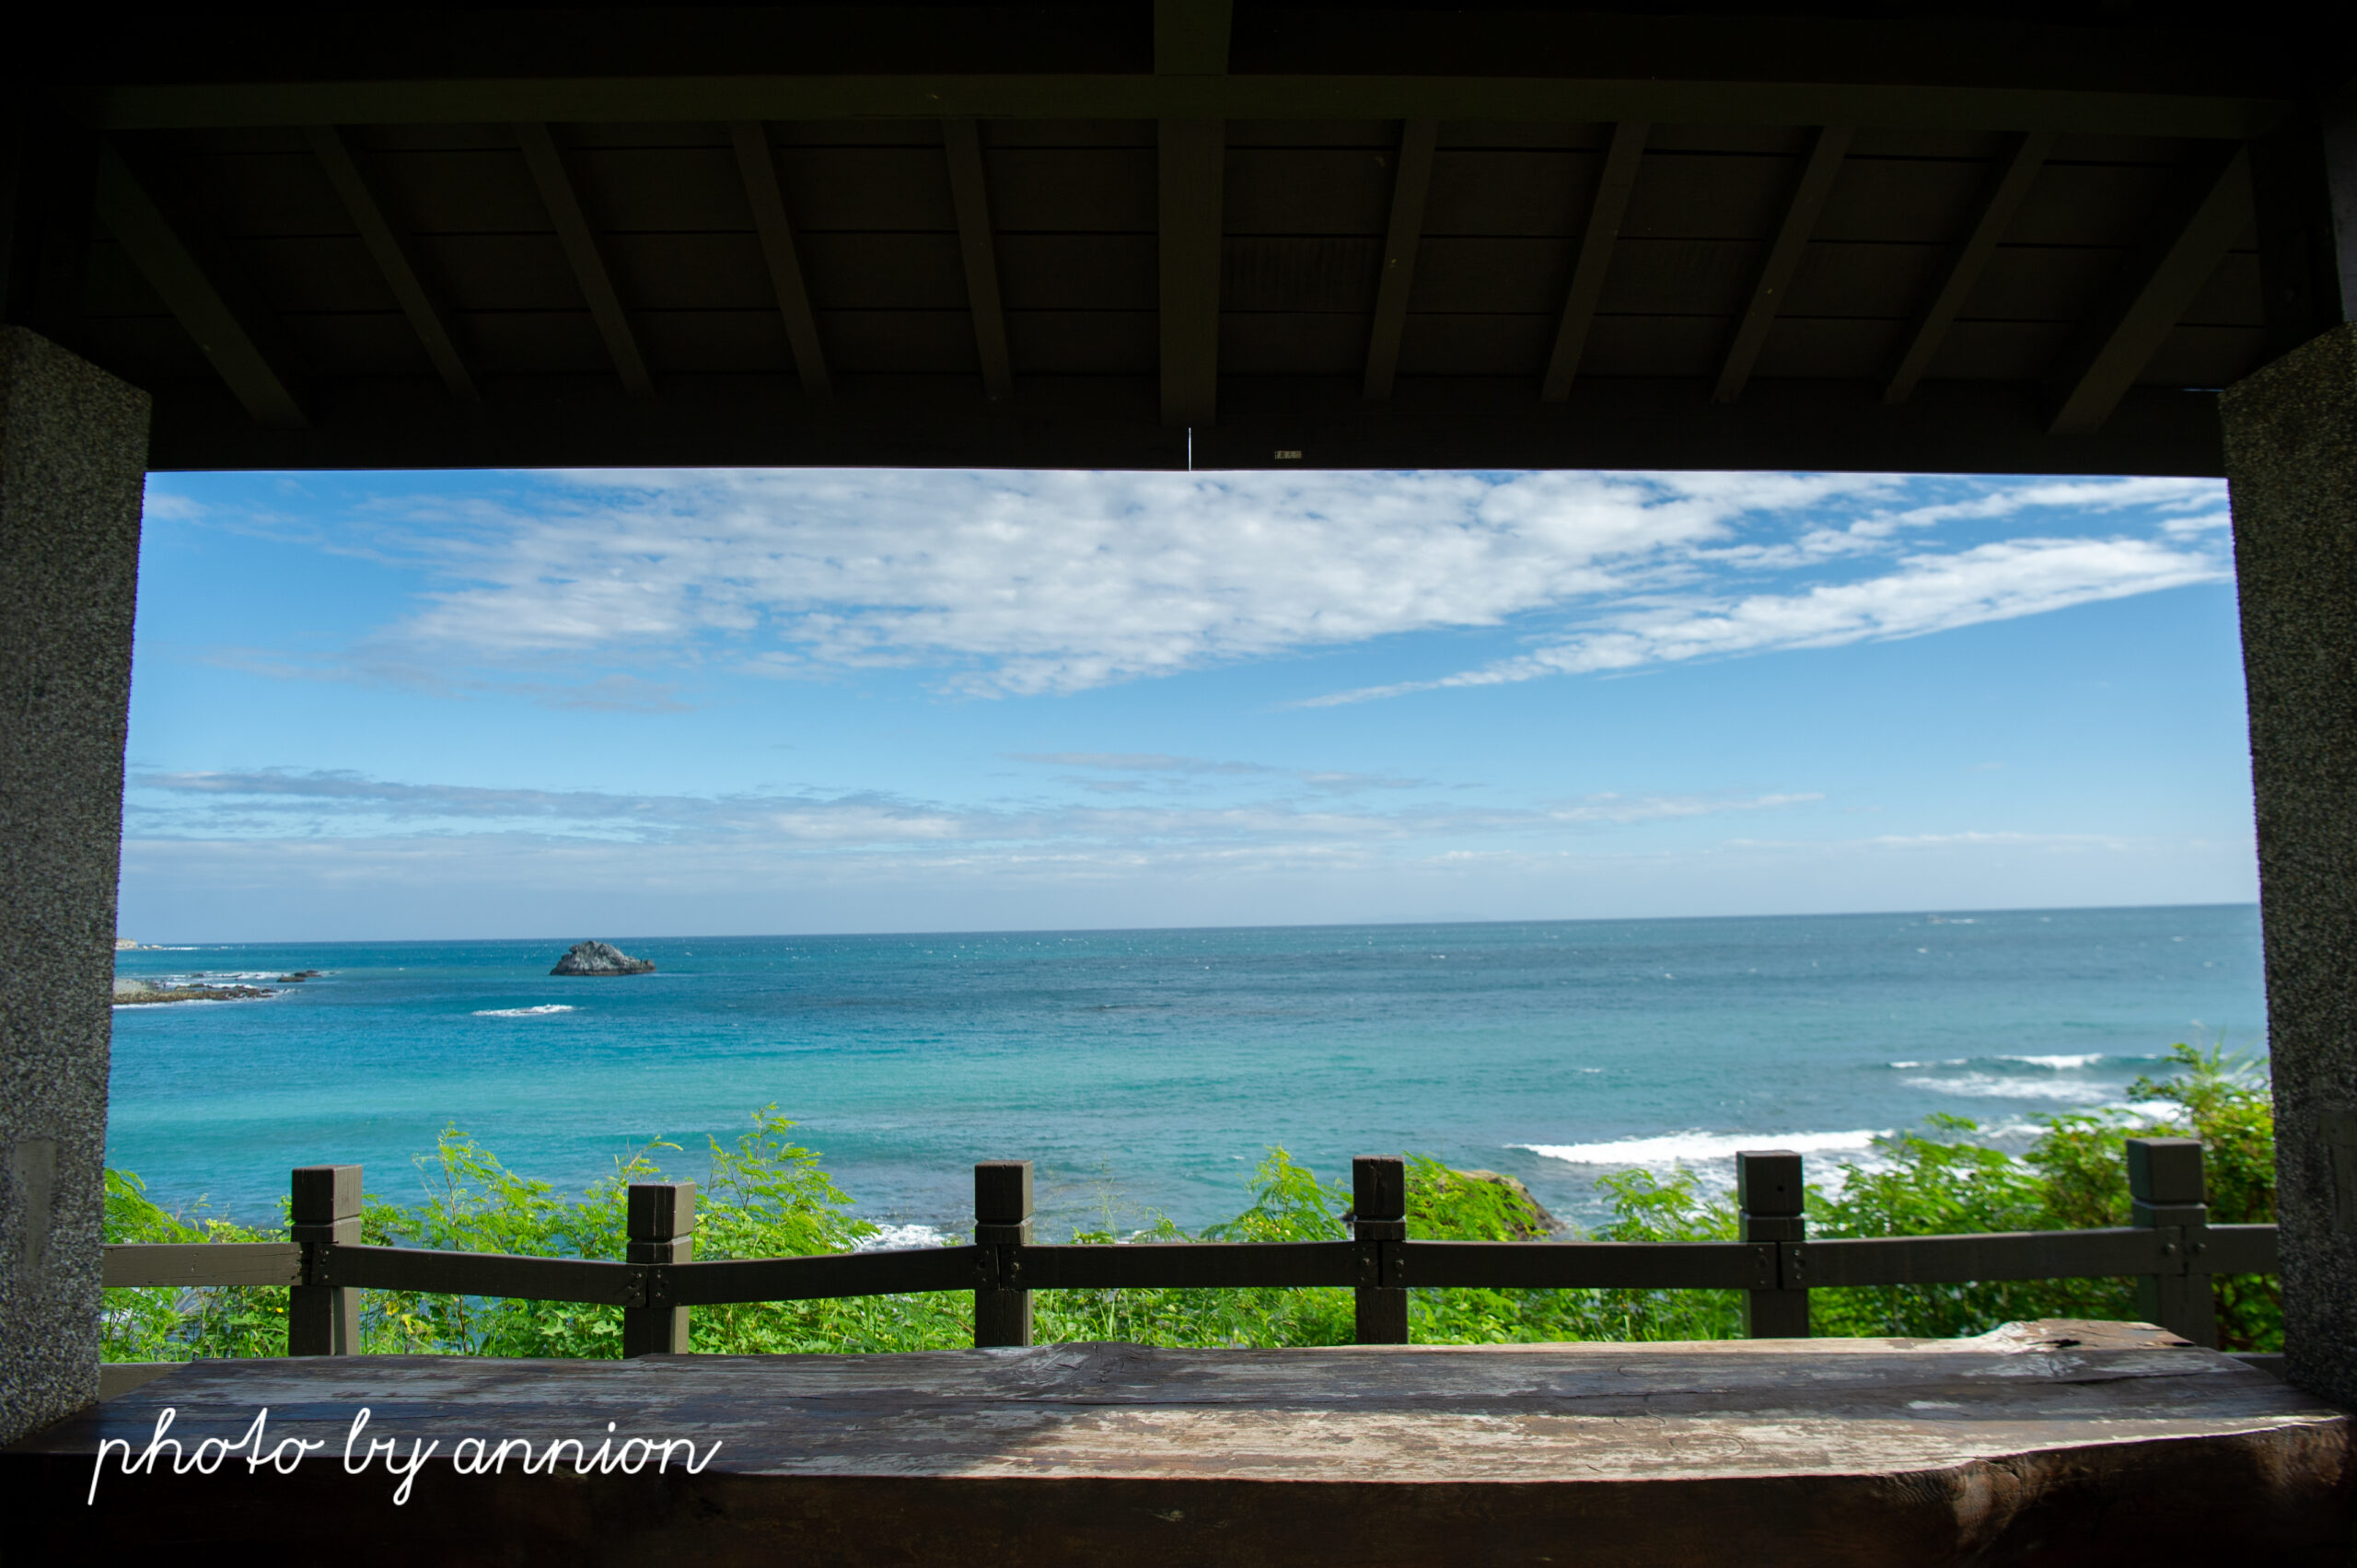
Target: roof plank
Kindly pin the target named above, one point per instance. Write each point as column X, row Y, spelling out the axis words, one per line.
column 1597, row 244
column 1190, row 37
column 1191, row 158
column 969, row 190
column 230, row 342
column 1783, row 259
column 563, row 202
column 2019, row 169
column 705, row 98
column 392, row 258
column 2198, row 223
column 757, row 164
column 1411, row 183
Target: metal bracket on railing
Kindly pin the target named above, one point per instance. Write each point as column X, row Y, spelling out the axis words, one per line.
column 651, row 1285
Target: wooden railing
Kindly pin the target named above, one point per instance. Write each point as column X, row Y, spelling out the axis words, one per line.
column 2171, row 1249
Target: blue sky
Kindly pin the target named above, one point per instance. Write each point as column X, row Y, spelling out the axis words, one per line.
column 418, row 705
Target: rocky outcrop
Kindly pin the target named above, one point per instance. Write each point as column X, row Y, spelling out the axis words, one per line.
column 1529, row 1216
column 601, row 959
column 133, row 993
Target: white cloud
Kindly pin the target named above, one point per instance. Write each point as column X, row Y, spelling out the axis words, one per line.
column 1054, row 582
column 1925, row 594
column 609, row 589
column 270, row 802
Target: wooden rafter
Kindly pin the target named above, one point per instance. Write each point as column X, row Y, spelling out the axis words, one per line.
column 1411, row 182
column 1783, row 259
column 229, row 341
column 756, row 166
column 1597, row 244
column 1177, row 94
column 392, row 258
column 969, row 192
column 573, row 232
column 1190, row 163
column 2198, row 223
column 2015, row 173
column 1190, row 37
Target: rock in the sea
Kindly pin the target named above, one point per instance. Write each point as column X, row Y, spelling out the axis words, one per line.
column 600, row 957
column 1527, row 1215
column 134, row 992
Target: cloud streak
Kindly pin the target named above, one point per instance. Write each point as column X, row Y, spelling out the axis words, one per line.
column 271, row 803
column 624, row 590
column 1926, row 594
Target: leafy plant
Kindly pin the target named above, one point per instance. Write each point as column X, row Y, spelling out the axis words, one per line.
column 769, row 1196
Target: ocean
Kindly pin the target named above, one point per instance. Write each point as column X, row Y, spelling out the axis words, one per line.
column 1146, row 1072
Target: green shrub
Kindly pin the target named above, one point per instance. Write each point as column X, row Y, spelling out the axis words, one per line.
column 769, row 1197
column 173, row 1323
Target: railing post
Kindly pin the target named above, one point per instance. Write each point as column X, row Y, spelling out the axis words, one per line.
column 1770, row 1198
column 1002, row 1221
column 324, row 1318
column 660, row 1224
column 2165, row 1190
column 1378, row 1222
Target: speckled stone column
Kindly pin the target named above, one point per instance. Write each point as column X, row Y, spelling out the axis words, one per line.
column 2291, row 463
column 73, row 464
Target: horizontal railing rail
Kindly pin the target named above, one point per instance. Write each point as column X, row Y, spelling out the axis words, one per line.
column 200, row 1264
column 2173, row 1252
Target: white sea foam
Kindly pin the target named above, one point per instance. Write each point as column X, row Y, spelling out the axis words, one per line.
column 541, row 1011
column 1989, row 1086
column 1688, row 1148
column 900, row 1236
column 2060, row 1063
column 1917, row 1066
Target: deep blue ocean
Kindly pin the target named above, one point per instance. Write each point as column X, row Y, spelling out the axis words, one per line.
column 1146, row 1071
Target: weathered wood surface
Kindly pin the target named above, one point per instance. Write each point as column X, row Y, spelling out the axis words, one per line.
column 2069, row 1443
column 1634, row 1265
column 884, row 1272
column 200, row 1264
column 482, row 1274
column 1187, row 1265
column 2004, row 1255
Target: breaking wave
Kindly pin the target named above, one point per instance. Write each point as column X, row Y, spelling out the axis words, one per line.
column 1689, row 1148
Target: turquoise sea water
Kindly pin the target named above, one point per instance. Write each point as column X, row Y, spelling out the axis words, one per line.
column 1150, row 1068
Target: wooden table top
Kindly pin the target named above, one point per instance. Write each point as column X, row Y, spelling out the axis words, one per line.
column 2049, row 1405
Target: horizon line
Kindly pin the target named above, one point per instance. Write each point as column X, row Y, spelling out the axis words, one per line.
column 1922, row 909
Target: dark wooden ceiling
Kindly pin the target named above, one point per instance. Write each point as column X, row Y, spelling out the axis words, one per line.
column 1987, row 238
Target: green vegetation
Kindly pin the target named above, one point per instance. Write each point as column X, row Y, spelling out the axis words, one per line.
column 768, row 1197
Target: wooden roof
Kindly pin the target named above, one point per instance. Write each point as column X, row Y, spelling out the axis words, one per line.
column 1907, row 237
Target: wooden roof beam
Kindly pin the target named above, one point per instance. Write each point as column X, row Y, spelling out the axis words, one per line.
column 2197, row 222
column 2015, row 173
column 392, row 258
column 1190, row 37
column 756, row 166
column 1784, row 257
column 230, row 339
column 1176, row 93
column 573, row 232
column 1597, row 244
column 1190, row 42
column 1192, row 158
column 969, row 192
column 1411, row 183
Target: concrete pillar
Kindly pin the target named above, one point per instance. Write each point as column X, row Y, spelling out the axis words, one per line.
column 73, row 464
column 2291, row 433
